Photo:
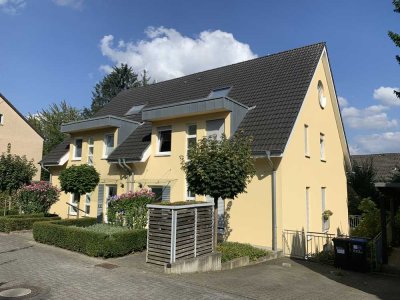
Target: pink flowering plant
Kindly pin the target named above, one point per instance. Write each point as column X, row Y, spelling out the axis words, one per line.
column 130, row 209
column 37, row 197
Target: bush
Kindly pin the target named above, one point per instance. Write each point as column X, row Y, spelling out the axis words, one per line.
column 23, row 222
column 130, row 209
column 370, row 223
column 232, row 250
column 76, row 236
column 37, row 197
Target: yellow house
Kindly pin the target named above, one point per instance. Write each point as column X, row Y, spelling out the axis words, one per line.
column 286, row 101
column 16, row 131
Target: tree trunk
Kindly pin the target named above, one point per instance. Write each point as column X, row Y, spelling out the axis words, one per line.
column 215, row 240
column 77, row 206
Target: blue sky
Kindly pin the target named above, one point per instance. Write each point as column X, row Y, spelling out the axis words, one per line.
column 58, row 49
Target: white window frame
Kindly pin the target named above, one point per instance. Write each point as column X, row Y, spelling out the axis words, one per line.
column 90, row 143
column 322, row 147
column 159, row 130
column 87, row 203
column 74, row 203
column 105, row 155
column 190, row 136
column 306, row 142
column 325, row 223
column 189, row 195
column 74, row 153
column 1, row 119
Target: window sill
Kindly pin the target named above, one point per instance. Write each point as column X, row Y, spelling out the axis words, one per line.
column 77, row 159
column 163, row 154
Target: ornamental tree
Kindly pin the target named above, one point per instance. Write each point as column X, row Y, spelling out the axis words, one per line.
column 79, row 180
column 37, row 197
column 219, row 168
column 15, row 171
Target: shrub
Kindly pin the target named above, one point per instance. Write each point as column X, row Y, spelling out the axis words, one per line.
column 232, row 250
column 106, row 228
column 74, row 235
column 37, row 197
column 23, row 222
column 369, row 226
column 130, row 209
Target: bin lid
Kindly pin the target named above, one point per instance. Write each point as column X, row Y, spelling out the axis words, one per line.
column 341, row 238
column 359, row 240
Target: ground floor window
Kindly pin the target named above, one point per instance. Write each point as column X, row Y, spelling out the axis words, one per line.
column 189, row 194
column 87, row 204
column 162, row 192
column 73, row 208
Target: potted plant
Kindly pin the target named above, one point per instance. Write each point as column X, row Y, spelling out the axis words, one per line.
column 326, row 214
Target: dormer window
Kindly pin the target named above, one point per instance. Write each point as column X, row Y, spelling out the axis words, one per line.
column 78, row 149
column 135, row 110
column 221, row 92
column 108, row 144
column 164, row 140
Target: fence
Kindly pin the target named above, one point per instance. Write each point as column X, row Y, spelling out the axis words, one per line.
column 299, row 244
column 354, row 221
column 375, row 248
column 180, row 231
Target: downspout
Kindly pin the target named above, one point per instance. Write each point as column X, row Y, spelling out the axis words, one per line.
column 43, row 167
column 274, row 221
column 123, row 165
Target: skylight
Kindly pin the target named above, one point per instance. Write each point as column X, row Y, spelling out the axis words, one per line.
column 135, row 110
column 221, row 92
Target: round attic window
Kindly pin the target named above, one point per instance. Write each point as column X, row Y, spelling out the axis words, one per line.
column 321, row 97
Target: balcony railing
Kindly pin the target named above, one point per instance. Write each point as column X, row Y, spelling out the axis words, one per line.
column 354, row 221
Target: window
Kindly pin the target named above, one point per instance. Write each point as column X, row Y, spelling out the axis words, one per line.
column 306, row 146
column 325, row 223
column 90, row 151
column 191, row 136
column 222, row 92
column 1, row 119
column 164, row 140
column 87, row 203
column 73, row 209
column 189, row 195
column 135, row 110
column 321, row 96
column 78, row 149
column 108, row 144
column 322, row 146
column 215, row 128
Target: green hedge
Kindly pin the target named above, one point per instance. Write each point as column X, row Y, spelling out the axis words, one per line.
column 232, row 250
column 23, row 222
column 67, row 234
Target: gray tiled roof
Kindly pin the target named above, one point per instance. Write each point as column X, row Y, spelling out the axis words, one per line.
column 54, row 156
column 385, row 164
column 275, row 84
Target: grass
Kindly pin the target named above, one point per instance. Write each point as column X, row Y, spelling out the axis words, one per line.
column 232, row 250
column 105, row 228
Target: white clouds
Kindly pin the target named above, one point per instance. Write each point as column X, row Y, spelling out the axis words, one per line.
column 371, row 117
column 167, row 54
column 12, row 7
column 377, row 143
column 343, row 102
column 386, row 96
column 76, row 4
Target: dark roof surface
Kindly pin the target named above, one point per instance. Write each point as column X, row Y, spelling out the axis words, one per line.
column 54, row 156
column 275, row 84
column 385, row 164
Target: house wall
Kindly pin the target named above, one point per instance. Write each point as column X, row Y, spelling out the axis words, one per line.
column 299, row 171
column 110, row 174
column 23, row 139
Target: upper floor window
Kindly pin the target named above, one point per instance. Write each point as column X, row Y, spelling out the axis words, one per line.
column 306, row 145
column 78, row 148
column 164, row 140
column 215, row 128
column 90, row 151
column 1, row 119
column 322, row 146
column 108, row 144
column 191, row 136
column 321, row 96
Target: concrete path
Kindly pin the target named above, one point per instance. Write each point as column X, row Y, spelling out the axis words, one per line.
column 60, row 274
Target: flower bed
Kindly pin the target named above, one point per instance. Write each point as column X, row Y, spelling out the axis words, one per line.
column 232, row 250
column 23, row 222
column 81, row 236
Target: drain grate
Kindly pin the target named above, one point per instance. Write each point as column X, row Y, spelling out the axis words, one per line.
column 18, row 292
column 107, row 266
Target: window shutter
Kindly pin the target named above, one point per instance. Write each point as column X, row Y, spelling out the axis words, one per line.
column 100, row 201
column 166, row 193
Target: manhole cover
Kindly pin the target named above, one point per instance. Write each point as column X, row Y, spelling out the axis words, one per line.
column 15, row 292
column 107, row 266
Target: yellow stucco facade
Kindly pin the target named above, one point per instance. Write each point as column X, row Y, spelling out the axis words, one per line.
column 23, row 138
column 299, row 176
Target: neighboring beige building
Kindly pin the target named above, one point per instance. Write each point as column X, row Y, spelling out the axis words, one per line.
column 286, row 101
column 15, row 130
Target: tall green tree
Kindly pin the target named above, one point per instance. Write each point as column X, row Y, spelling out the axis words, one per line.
column 15, row 171
column 219, row 168
column 79, row 180
column 121, row 78
column 395, row 37
column 48, row 122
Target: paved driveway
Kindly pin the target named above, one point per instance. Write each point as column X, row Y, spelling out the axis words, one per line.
column 60, row 274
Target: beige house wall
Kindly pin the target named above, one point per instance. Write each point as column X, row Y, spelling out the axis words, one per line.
column 23, row 139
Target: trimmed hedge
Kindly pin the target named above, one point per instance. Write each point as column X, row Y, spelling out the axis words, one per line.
column 23, row 222
column 232, row 250
column 65, row 235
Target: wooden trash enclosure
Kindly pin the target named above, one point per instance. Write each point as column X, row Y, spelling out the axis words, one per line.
column 179, row 231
